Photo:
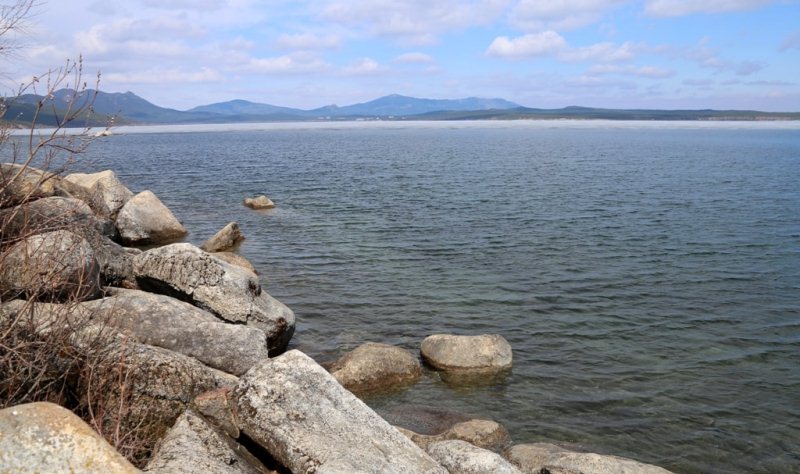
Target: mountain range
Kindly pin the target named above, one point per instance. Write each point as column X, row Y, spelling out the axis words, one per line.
column 128, row 108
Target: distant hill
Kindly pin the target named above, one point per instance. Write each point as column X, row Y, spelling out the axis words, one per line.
column 128, row 108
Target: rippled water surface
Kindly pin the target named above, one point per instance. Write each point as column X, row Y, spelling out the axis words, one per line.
column 647, row 276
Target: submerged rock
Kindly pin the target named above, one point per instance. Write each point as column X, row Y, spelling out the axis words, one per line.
column 230, row 293
column 486, row 434
column 483, row 354
column 193, row 446
column 374, row 366
column 296, row 410
column 227, row 238
column 44, row 437
column 144, row 219
column 543, row 457
column 460, row 457
column 260, row 202
column 54, row 266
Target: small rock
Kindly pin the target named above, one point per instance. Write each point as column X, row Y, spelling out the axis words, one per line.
column 43, row 437
column 144, row 219
column 486, row 434
column 543, row 457
column 296, row 410
column 227, row 238
column 483, row 354
column 260, row 202
column 460, row 457
column 54, row 266
column 237, row 260
column 192, row 445
column 374, row 366
column 230, row 293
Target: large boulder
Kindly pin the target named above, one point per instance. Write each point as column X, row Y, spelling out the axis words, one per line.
column 44, row 437
column 20, row 183
column 543, row 457
column 227, row 238
column 217, row 407
column 260, row 202
column 373, row 366
column 296, row 410
column 52, row 213
column 144, row 219
column 57, row 265
column 484, row 354
column 103, row 190
column 116, row 262
column 229, row 292
column 460, row 457
column 162, row 321
column 192, row 445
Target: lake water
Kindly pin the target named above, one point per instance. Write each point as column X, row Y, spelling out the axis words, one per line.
column 647, row 275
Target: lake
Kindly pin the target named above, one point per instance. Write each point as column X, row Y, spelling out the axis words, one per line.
column 647, row 275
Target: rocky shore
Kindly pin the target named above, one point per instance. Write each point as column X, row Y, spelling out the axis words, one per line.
column 202, row 352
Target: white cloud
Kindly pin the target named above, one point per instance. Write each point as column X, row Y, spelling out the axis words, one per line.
column 600, row 52
column 414, row 22
column 286, row 64
column 364, row 66
column 652, row 72
column 160, row 76
column 792, row 41
column 667, row 8
column 308, row 41
column 538, row 15
column 526, row 46
column 414, row 57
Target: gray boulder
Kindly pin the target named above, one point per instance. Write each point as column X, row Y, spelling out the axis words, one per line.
column 53, row 213
column 296, row 410
column 144, row 219
column 55, row 266
column 543, row 457
column 116, row 263
column 165, row 322
column 227, row 238
column 483, row 354
column 43, row 437
column 103, row 190
column 217, row 407
column 229, row 292
column 193, row 446
column 460, row 457
column 260, row 202
column 20, row 184
column 374, row 366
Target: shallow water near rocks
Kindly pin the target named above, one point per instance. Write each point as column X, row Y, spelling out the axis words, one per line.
column 646, row 275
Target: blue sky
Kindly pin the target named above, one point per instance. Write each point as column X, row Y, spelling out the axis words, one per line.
column 723, row 54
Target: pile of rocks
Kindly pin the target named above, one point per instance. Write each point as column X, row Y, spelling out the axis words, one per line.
column 206, row 343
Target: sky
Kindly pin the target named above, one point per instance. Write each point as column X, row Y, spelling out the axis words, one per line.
column 672, row 54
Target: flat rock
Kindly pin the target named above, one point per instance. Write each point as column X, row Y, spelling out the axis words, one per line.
column 144, row 219
column 227, row 238
column 53, row 266
column 298, row 412
column 194, row 446
column 229, row 292
column 541, row 457
column 165, row 322
column 43, row 437
column 460, row 457
column 260, row 202
column 484, row 354
column 374, row 366
column 103, row 187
